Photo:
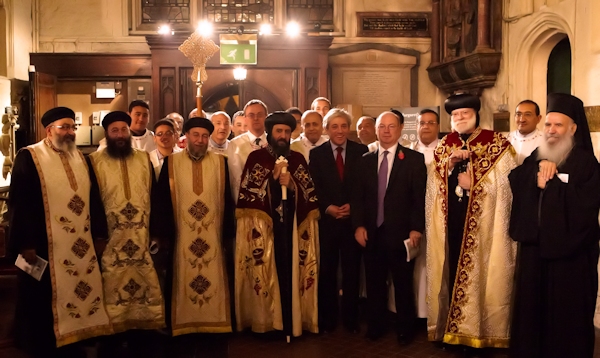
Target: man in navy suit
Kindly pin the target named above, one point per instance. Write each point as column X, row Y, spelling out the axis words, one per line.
column 333, row 168
column 388, row 207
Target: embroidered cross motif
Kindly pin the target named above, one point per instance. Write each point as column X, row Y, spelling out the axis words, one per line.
column 76, row 205
column 130, row 248
column 82, row 291
column 129, row 211
column 258, row 173
column 80, row 247
column 131, row 287
column 302, row 175
column 198, row 210
column 200, row 284
column 199, row 247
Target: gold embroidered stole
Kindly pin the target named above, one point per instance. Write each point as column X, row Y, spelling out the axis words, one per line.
column 200, row 297
column 131, row 287
column 78, row 306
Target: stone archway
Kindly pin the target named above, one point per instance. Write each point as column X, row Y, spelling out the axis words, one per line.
column 528, row 67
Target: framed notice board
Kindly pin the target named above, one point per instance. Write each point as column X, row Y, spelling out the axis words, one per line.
column 393, row 24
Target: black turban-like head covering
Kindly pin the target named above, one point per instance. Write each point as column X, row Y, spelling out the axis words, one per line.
column 279, row 117
column 198, row 122
column 572, row 107
column 55, row 114
column 116, row 116
column 463, row 100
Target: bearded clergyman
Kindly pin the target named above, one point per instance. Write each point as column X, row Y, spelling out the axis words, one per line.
column 277, row 240
column 123, row 176
column 468, row 203
column 554, row 219
column 51, row 215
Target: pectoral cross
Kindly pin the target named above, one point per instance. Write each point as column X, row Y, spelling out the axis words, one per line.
column 199, row 50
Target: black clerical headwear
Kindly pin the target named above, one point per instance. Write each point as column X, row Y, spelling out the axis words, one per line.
column 198, row 122
column 116, row 116
column 55, row 114
column 463, row 100
column 572, row 107
column 279, row 117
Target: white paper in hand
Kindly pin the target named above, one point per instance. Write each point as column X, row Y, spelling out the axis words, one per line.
column 411, row 252
column 36, row 271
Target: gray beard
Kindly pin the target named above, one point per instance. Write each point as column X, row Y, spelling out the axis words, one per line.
column 558, row 152
column 65, row 146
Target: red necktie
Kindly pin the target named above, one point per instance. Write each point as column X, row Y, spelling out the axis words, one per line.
column 339, row 161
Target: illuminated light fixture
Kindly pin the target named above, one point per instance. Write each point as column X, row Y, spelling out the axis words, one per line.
column 165, row 30
column 292, row 29
column 105, row 90
column 205, row 28
column 239, row 73
column 265, row 29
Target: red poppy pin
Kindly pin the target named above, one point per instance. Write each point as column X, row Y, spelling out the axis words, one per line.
column 401, row 155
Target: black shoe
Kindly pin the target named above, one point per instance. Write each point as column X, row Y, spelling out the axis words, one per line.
column 373, row 335
column 404, row 339
column 354, row 329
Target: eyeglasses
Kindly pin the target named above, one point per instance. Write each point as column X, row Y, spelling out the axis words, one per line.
column 167, row 133
column 67, row 127
column 430, row 123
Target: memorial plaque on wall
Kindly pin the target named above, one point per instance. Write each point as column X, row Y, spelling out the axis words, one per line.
column 393, row 24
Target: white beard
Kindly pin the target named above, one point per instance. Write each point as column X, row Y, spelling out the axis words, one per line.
column 557, row 152
column 464, row 126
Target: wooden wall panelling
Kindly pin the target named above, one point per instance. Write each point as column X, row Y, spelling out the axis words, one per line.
column 168, row 87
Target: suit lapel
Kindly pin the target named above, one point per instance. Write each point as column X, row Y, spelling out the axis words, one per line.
column 330, row 160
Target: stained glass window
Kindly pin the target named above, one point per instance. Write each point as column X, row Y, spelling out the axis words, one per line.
column 239, row 11
column 311, row 11
column 165, row 11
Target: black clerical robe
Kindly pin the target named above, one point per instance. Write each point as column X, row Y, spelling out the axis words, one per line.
column 557, row 279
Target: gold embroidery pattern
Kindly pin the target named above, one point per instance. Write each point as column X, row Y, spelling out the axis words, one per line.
column 83, row 290
column 130, row 248
column 76, row 205
column 200, row 284
column 129, row 211
column 80, row 247
column 306, row 184
column 131, row 287
column 198, row 210
column 115, row 223
column 258, row 174
column 199, row 247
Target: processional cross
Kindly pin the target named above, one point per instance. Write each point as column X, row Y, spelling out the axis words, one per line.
column 199, row 49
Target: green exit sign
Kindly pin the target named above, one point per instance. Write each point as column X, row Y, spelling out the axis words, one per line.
column 238, row 49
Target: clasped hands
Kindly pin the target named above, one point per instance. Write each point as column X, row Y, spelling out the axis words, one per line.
column 464, row 179
column 547, row 170
column 285, row 179
column 338, row 212
column 360, row 235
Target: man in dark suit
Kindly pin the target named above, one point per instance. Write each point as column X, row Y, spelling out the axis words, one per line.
column 333, row 168
column 388, row 207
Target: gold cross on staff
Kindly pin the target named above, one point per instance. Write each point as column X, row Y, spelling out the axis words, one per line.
column 199, row 50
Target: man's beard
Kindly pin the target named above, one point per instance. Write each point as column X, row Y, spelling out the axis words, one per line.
column 281, row 147
column 557, row 152
column 465, row 126
column 197, row 153
column 119, row 148
column 65, row 143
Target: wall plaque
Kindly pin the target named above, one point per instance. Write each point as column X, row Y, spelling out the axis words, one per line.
column 393, row 24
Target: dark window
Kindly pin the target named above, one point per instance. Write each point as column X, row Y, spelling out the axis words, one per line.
column 311, row 11
column 239, row 11
column 165, row 11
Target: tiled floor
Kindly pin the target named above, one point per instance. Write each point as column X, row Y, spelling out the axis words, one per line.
column 336, row 344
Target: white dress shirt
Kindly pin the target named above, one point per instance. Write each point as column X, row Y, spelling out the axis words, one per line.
column 158, row 159
column 427, row 150
column 390, row 160
column 334, row 150
column 142, row 142
column 525, row 144
column 304, row 146
column 238, row 150
column 375, row 145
